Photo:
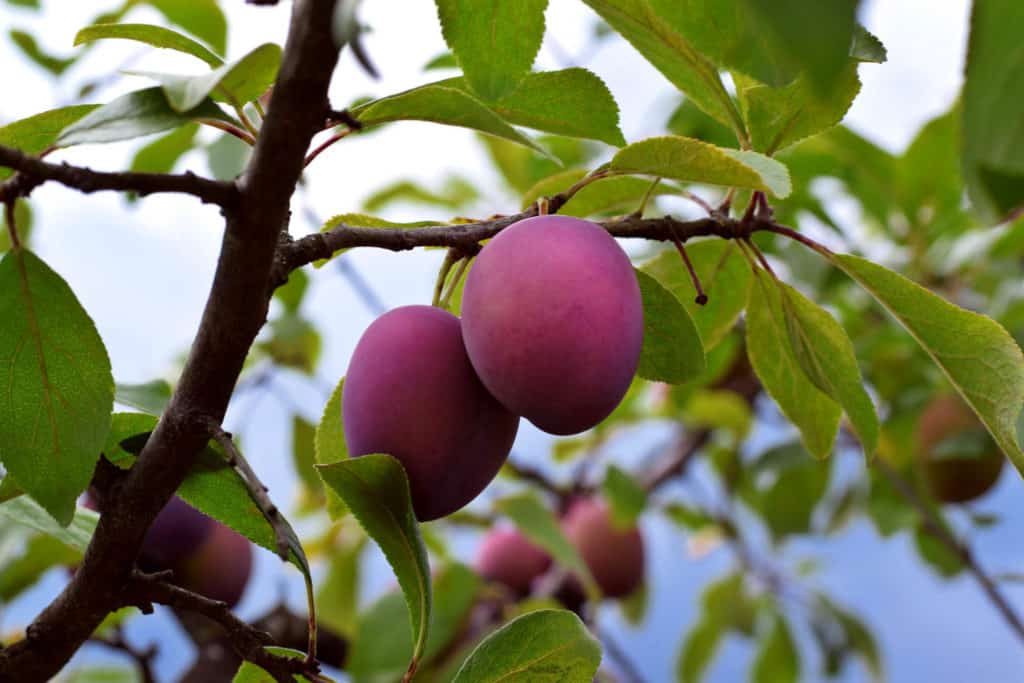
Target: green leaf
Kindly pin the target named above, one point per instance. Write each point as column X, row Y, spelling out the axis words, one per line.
column 572, row 102
column 777, row 660
column 161, row 155
column 303, row 453
column 975, row 353
column 383, row 646
column 337, row 598
column 150, row 397
column 59, row 391
column 105, row 674
column 727, row 32
column 29, row 513
column 236, row 83
column 778, row 117
column 811, row 411
column 494, row 41
column 625, row 496
column 329, row 446
column 227, row 157
column 698, row 650
column 23, row 221
column 539, row 525
column 825, row 353
column 672, row 350
column 34, row 134
column 40, row 554
column 867, row 47
column 250, row 673
column 294, row 342
column 612, row 193
column 798, row 482
column 542, row 646
column 855, row 636
column 724, row 275
column 157, row 36
column 816, row 37
column 455, row 193
column 675, row 57
column 376, row 490
column 291, row 293
column 694, row 161
column 202, row 18
column 937, row 554
column 993, row 139
column 438, row 104
column 133, row 115
column 31, row 49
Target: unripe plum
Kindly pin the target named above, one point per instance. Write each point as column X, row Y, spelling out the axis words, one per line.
column 614, row 556
column 508, row 557
column 411, row 392
column 553, row 321
column 955, row 454
column 219, row 568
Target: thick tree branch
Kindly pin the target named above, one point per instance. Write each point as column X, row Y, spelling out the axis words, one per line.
column 235, row 311
column 33, row 171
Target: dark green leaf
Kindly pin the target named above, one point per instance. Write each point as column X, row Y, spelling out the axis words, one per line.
column 672, row 350
column 337, row 598
column 292, row 292
column 250, row 673
column 694, row 161
column 573, row 102
column 698, row 650
column 778, row 660
column 294, row 343
column 438, row 104
column 993, row 139
column 31, row 49
column 545, row 646
column 202, row 18
column 330, row 447
column 674, row 56
column 151, row 397
column 376, row 490
column 812, row 412
column 55, row 411
column 937, row 554
column 161, row 155
column 867, row 47
column 975, row 353
column 303, row 434
column 133, row 115
column 625, row 496
column 494, row 41
column 157, row 36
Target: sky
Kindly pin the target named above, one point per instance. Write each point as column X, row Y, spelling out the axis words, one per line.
column 143, row 273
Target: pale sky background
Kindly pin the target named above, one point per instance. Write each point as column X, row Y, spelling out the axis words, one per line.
column 143, row 274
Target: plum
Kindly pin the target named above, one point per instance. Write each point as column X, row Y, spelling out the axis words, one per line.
column 220, row 566
column 614, row 556
column 411, row 392
column 508, row 557
column 955, row 454
column 553, row 321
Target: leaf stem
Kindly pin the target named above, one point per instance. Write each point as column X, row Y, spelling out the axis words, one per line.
column 242, row 135
column 12, row 228
column 325, row 144
column 701, row 298
column 799, row 237
column 453, row 284
column 442, row 276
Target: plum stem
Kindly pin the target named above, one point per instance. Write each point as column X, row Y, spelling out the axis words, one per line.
column 453, row 284
column 442, row 277
column 701, row 298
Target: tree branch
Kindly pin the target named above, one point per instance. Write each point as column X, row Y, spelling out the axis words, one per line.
column 143, row 658
column 235, row 311
column 961, row 550
column 33, row 171
column 248, row 641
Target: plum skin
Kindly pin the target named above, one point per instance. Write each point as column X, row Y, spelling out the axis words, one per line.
column 614, row 556
column 506, row 556
column 220, row 566
column 953, row 479
column 411, row 393
column 553, row 321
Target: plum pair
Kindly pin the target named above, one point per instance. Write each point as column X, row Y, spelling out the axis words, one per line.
column 551, row 330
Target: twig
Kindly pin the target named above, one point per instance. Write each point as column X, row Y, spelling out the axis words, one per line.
column 622, row 660
column 34, row 171
column 942, row 534
column 535, row 476
column 687, row 448
column 257, row 489
column 701, row 298
column 143, row 658
column 248, row 641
